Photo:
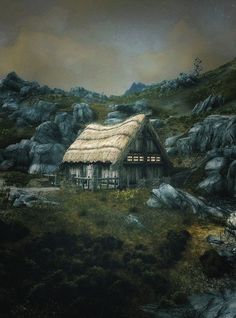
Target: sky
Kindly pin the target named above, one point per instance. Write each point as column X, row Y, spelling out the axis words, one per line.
column 105, row 45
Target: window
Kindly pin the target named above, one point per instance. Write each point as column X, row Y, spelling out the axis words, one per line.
column 140, row 158
column 153, row 158
column 135, row 158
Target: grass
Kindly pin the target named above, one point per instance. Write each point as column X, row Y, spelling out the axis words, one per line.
column 9, row 134
column 99, row 213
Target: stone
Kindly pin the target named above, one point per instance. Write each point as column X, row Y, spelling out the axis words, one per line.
column 113, row 121
column 214, row 132
column 231, row 179
column 210, row 103
column 157, row 123
column 166, row 196
column 140, row 106
column 10, row 106
column 64, row 121
column 47, row 133
column 217, row 163
column 82, row 113
column 171, row 141
column 212, row 239
column 116, row 115
column 18, row 154
column 39, row 112
column 6, row 165
column 213, row 184
column 46, row 158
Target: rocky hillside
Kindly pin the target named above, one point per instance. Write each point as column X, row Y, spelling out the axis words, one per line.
column 194, row 115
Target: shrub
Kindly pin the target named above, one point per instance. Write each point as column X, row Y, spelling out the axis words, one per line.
column 214, row 265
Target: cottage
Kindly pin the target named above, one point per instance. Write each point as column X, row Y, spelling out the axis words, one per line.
column 114, row 156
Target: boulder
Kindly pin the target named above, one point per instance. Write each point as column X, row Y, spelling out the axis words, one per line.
column 213, row 184
column 30, row 89
column 46, row 158
column 231, row 225
column 167, row 196
column 39, row 112
column 210, row 103
column 20, row 198
column 10, row 106
column 112, row 121
column 64, row 121
column 140, row 106
column 6, row 165
column 217, row 164
column 171, row 141
column 220, row 304
column 115, row 117
column 82, row 113
column 87, row 95
column 157, row 123
column 231, row 179
column 214, row 132
column 18, row 155
column 116, row 114
column 47, row 133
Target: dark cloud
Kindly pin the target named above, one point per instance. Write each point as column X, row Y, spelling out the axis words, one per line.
column 107, row 44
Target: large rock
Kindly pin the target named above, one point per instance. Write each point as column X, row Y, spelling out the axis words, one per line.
column 217, row 164
column 18, row 155
column 115, row 117
column 231, row 224
column 82, row 113
column 231, row 178
column 220, row 304
column 64, row 121
column 210, row 103
column 212, row 133
column 47, row 133
column 10, row 106
column 168, row 197
column 87, row 95
column 140, row 106
column 37, row 113
column 213, row 184
column 46, row 158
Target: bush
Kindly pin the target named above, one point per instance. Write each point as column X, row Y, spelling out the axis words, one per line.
column 170, row 251
column 214, row 265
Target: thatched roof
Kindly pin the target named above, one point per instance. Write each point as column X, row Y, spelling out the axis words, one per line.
column 106, row 144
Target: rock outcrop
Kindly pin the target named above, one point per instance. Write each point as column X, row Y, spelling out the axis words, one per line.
column 220, row 304
column 210, row 103
column 215, row 137
column 214, row 132
column 46, row 158
column 38, row 113
column 166, row 196
column 121, row 111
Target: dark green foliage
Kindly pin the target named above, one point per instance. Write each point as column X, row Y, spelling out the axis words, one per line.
column 214, row 265
column 64, row 275
column 170, row 251
column 9, row 134
column 12, row 231
column 17, row 178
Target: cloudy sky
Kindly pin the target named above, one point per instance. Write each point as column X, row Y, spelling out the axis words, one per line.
column 105, row 45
